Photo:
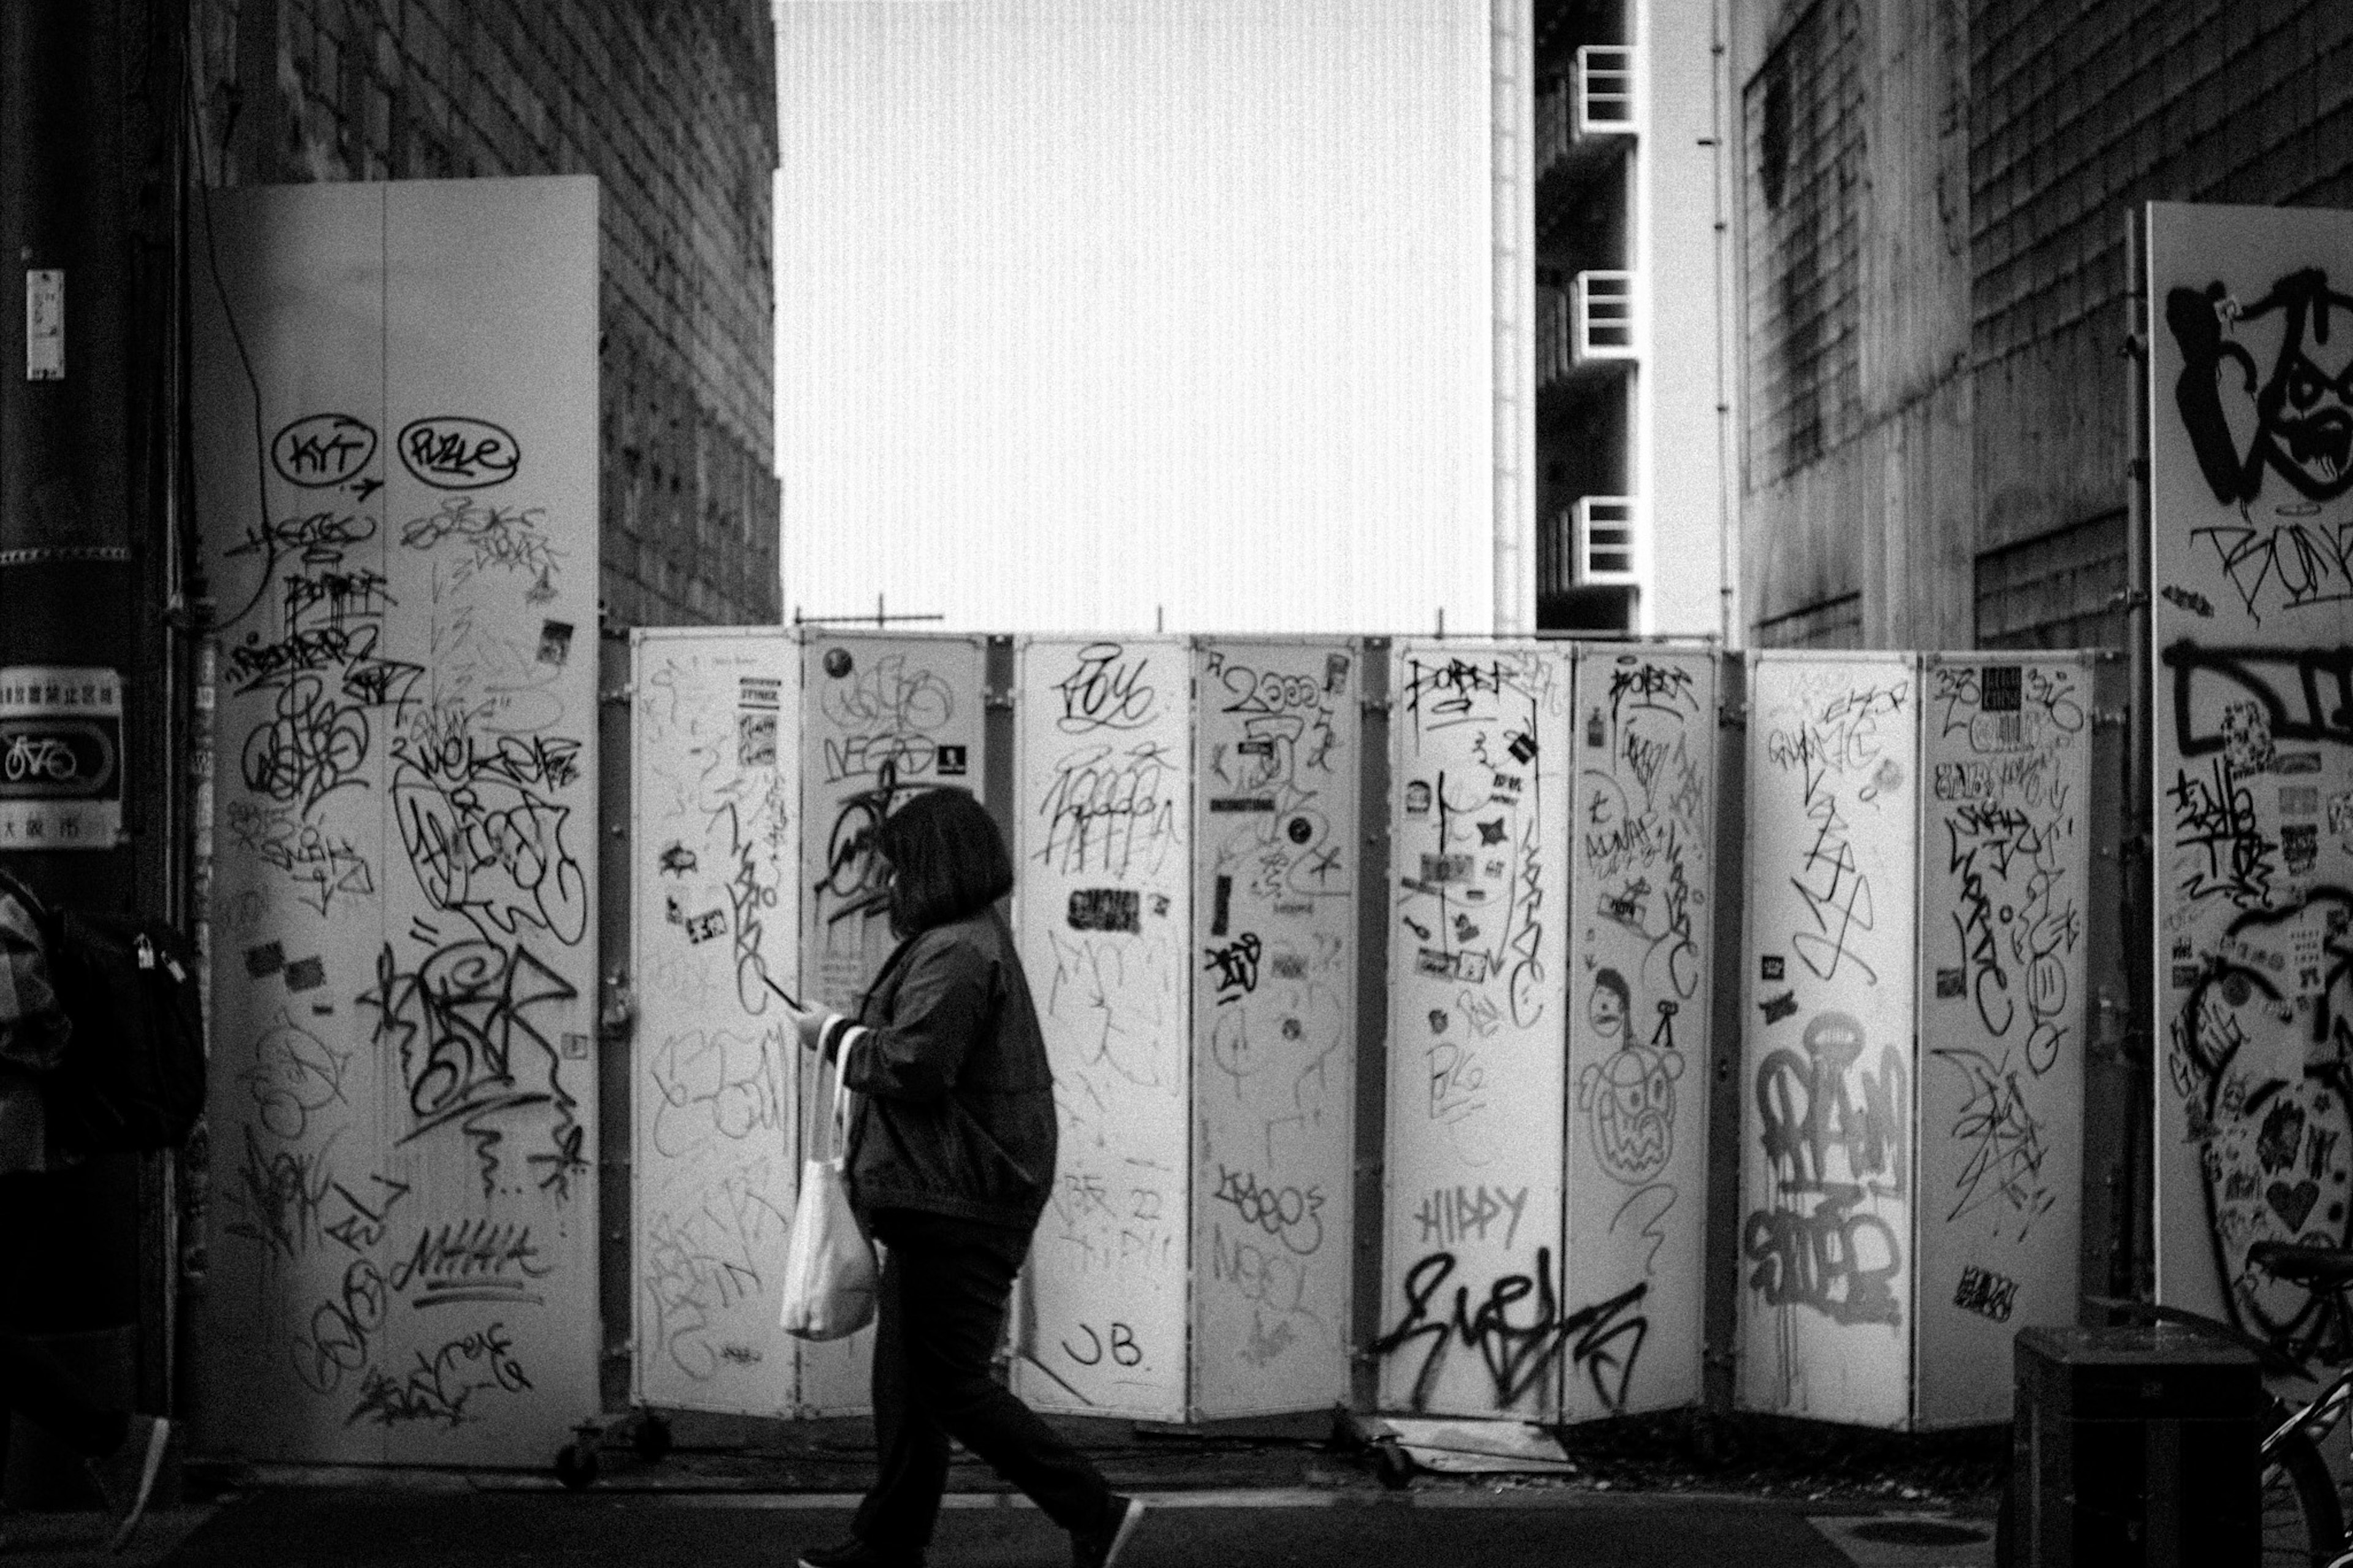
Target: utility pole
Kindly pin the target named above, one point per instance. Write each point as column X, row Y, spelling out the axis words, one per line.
column 91, row 689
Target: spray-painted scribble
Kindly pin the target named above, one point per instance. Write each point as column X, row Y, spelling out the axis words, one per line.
column 1483, row 840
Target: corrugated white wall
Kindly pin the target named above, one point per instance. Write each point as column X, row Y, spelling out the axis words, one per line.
column 1091, row 309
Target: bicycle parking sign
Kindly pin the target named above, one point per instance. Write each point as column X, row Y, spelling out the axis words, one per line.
column 60, row 757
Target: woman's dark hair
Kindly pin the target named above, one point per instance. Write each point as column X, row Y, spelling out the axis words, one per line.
column 949, row 858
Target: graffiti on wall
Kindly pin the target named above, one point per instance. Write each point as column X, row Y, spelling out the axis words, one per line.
column 1636, row 1018
column 883, row 719
column 1274, row 913
column 715, row 789
column 2005, row 867
column 2251, row 533
column 1102, row 814
column 1833, row 750
column 1476, row 1310
column 403, row 1226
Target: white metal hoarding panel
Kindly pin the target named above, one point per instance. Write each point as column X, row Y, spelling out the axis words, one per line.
column 396, row 421
column 884, row 716
column 1826, row 1175
column 2005, row 869
column 715, row 788
column 1275, row 856
column 1473, row 1319
column 1639, row 994
column 2254, row 778
column 300, row 1101
column 1103, row 815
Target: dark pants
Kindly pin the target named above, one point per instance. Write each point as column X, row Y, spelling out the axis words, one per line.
column 945, row 1285
column 36, row 1383
column 45, row 1220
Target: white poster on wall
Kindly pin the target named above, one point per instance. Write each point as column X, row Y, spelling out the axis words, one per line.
column 1642, row 956
column 714, row 792
column 1275, row 855
column 2005, row 866
column 2250, row 472
column 1826, row 1307
column 1474, row 1308
column 1103, row 816
column 395, row 437
column 884, row 717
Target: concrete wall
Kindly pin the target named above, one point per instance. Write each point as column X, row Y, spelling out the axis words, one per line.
column 1093, row 311
column 672, row 104
column 1878, row 506
column 1976, row 489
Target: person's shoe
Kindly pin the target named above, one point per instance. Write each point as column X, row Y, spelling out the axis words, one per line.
column 1101, row 1549
column 126, row 1477
column 855, row 1553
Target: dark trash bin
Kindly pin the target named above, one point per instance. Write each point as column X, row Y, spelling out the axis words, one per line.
column 2135, row 1447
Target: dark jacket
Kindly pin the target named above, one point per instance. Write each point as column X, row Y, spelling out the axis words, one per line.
column 956, row 1109
column 32, row 1035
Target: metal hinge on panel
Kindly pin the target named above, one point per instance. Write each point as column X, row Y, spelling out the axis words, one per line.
column 1732, row 715
column 2110, row 718
column 614, row 694
column 997, row 700
column 1378, row 704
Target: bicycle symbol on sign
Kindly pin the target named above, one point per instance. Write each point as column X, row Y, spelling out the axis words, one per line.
column 33, row 757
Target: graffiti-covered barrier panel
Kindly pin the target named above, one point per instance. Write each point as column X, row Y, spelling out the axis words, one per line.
column 1275, row 852
column 1103, row 815
column 1474, row 1305
column 1826, row 1296
column 1639, row 981
column 2254, row 774
column 395, row 437
column 714, row 917
column 883, row 717
column 2005, row 864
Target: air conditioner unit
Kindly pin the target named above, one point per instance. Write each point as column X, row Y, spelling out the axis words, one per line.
column 1606, row 549
column 1604, row 91
column 1605, row 316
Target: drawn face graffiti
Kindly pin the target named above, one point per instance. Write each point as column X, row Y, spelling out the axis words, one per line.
column 2299, row 421
column 1630, row 1097
column 1607, row 1007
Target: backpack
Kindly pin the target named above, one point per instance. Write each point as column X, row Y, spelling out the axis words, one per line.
column 132, row 1076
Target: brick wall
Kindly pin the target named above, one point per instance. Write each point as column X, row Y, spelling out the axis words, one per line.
column 2081, row 110
column 671, row 103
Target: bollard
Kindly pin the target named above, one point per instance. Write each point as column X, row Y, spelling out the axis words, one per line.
column 2135, row 1447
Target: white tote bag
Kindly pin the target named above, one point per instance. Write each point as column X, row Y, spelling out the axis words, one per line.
column 829, row 1276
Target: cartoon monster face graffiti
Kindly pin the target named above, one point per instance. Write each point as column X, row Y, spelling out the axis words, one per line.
column 1631, row 1094
column 2301, row 414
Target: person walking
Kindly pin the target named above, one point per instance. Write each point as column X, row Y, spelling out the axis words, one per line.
column 950, row 1162
column 122, row 1450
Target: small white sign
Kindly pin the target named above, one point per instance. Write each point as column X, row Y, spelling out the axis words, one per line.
column 60, row 757
column 44, row 324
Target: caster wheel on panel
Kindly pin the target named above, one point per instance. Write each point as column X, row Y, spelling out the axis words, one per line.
column 575, row 1464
